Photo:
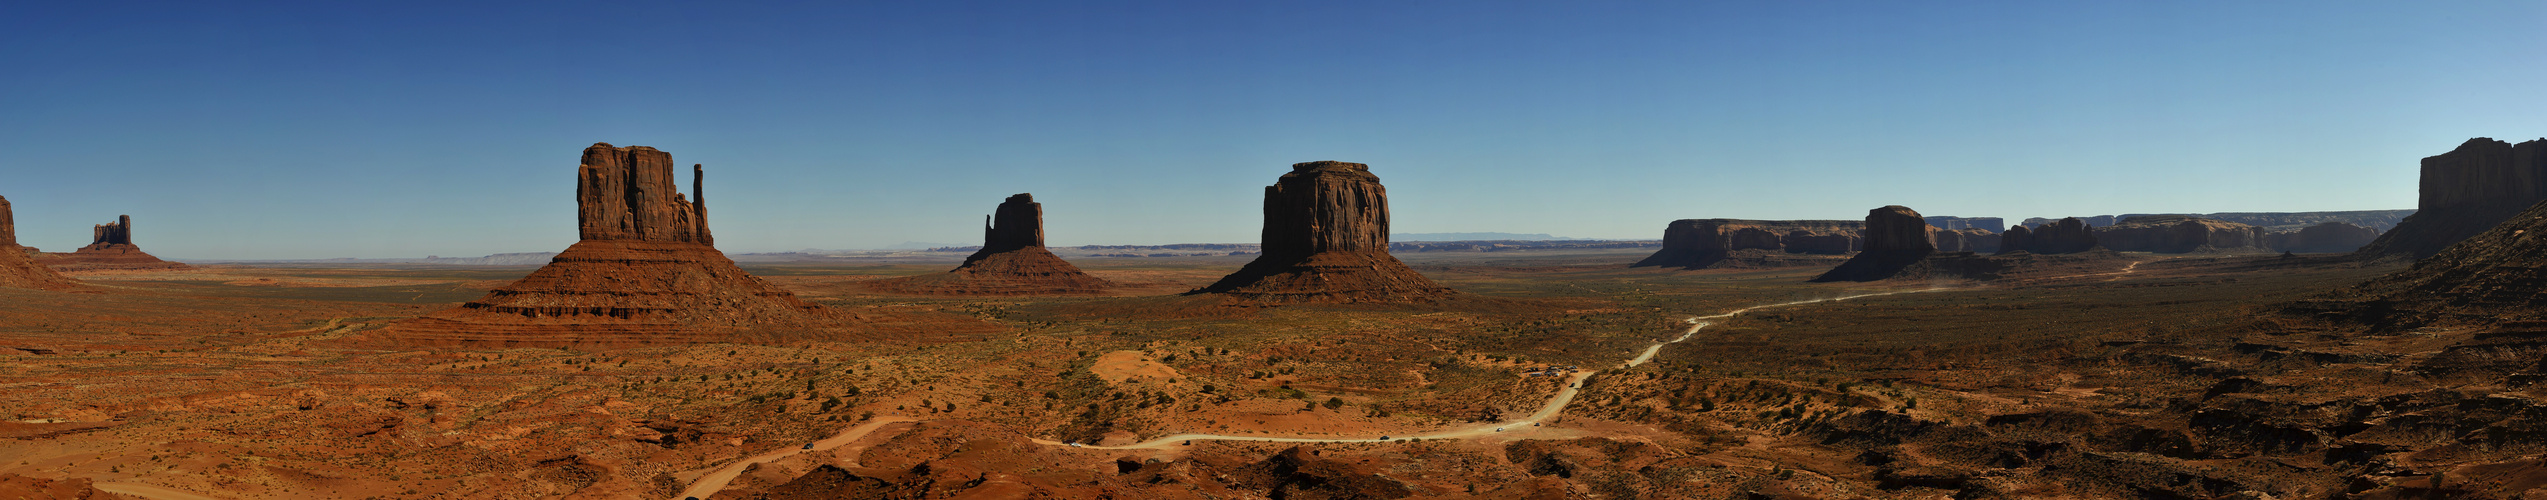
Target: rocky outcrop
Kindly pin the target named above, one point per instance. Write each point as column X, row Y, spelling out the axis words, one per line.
column 1326, row 240
column 644, row 273
column 1898, row 245
column 18, row 269
column 2497, row 276
column 1897, row 229
column 1012, row 261
column 110, row 247
column 2328, row 237
column 2181, row 234
column 2467, row 191
column 1715, row 243
column 2068, row 235
column 1966, row 240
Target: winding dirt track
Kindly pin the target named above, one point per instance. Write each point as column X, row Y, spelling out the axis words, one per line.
column 1556, row 404
column 716, row 481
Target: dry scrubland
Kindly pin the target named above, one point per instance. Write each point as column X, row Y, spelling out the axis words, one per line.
column 2136, row 377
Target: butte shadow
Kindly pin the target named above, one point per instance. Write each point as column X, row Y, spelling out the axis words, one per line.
column 1012, row 261
column 645, row 272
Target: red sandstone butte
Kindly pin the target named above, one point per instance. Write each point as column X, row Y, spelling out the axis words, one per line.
column 1326, row 241
column 1012, row 261
column 110, row 247
column 17, row 268
column 646, row 272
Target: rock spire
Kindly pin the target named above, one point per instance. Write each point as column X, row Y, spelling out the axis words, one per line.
column 644, row 273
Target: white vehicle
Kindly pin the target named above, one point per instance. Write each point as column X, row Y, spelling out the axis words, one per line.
column 1498, row 429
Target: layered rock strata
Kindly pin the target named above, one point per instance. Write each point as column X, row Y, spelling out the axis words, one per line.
column 2068, row 235
column 110, row 247
column 1012, row 261
column 1326, row 240
column 2181, row 234
column 18, row 269
column 2466, row 191
column 644, row 273
column 1714, row 243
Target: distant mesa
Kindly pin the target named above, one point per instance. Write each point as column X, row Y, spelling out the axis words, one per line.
column 1326, row 241
column 2496, row 277
column 1012, row 261
column 1968, row 239
column 110, row 247
column 17, row 268
column 2467, row 191
column 1737, row 243
column 2069, row 235
column 2182, row 234
column 2325, row 237
column 1951, row 223
column 645, row 272
column 2376, row 220
column 1902, row 245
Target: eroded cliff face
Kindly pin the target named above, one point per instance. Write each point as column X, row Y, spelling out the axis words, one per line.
column 17, row 268
column 630, row 194
column 1326, row 240
column 1710, row 243
column 1897, row 228
column 2465, row 192
column 644, row 273
column 2181, row 234
column 1012, row 261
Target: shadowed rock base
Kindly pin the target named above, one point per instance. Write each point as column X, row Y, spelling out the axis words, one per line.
column 1025, row 271
column 613, row 293
column 1334, row 277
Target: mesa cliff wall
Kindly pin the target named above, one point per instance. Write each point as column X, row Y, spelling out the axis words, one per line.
column 2467, row 191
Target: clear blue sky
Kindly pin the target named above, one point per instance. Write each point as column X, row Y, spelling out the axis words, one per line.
column 401, row 129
